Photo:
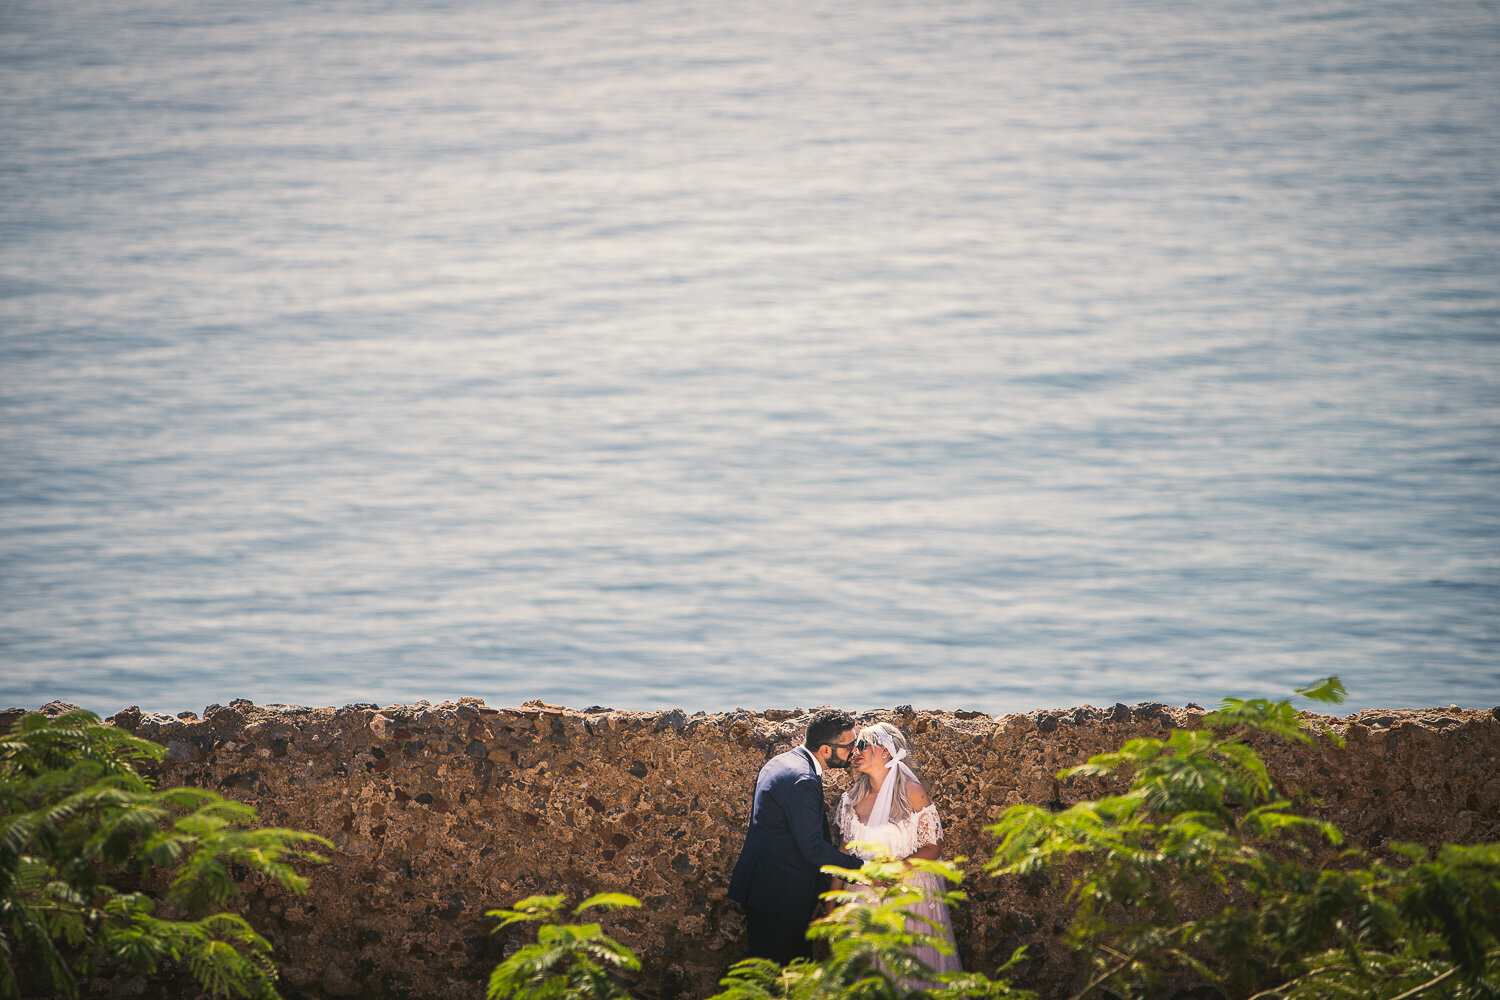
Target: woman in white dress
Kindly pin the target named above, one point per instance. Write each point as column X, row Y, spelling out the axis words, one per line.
column 887, row 806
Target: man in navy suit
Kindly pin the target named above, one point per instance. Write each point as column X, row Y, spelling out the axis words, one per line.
column 777, row 879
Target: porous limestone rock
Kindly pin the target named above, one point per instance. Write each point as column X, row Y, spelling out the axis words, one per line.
column 439, row 813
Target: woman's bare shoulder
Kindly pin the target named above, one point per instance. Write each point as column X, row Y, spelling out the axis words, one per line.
column 917, row 796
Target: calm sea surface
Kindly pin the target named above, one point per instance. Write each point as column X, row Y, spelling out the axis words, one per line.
column 992, row 355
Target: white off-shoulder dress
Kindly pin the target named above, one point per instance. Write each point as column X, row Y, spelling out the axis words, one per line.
column 902, row 839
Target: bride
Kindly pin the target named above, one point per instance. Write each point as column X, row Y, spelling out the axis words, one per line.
column 886, row 805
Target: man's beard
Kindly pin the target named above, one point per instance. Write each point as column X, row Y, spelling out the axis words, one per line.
column 842, row 765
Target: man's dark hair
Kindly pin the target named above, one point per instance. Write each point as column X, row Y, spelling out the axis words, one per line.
column 827, row 726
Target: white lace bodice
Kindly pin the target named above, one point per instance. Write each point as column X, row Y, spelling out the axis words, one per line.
column 902, row 838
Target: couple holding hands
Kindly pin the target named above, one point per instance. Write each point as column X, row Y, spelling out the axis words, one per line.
column 777, row 879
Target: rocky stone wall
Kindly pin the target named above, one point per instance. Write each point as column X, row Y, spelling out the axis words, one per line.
column 440, row 813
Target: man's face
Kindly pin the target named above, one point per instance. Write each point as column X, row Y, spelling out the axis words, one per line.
column 840, row 750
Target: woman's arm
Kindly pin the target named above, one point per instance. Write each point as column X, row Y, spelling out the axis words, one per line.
column 919, row 799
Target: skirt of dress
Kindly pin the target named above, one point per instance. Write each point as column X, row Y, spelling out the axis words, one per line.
column 936, row 911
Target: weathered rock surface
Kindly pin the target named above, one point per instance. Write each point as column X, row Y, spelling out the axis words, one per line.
column 440, row 813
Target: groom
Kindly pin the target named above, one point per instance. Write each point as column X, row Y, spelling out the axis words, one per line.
column 777, row 879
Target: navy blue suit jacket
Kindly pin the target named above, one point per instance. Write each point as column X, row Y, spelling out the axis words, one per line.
column 778, row 870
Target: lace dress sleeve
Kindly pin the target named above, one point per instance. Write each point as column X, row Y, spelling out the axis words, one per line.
column 929, row 826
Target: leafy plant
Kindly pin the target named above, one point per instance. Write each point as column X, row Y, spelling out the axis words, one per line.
column 1203, row 867
column 869, row 943
column 79, row 825
column 870, row 938
column 576, row 961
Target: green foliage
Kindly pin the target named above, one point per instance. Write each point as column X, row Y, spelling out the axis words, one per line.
column 870, row 938
column 869, row 943
column 1201, row 864
column 568, row 961
column 79, row 825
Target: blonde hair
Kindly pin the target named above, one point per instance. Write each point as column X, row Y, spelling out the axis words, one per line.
column 862, row 786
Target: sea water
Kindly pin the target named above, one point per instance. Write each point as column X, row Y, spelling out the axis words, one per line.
column 988, row 354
